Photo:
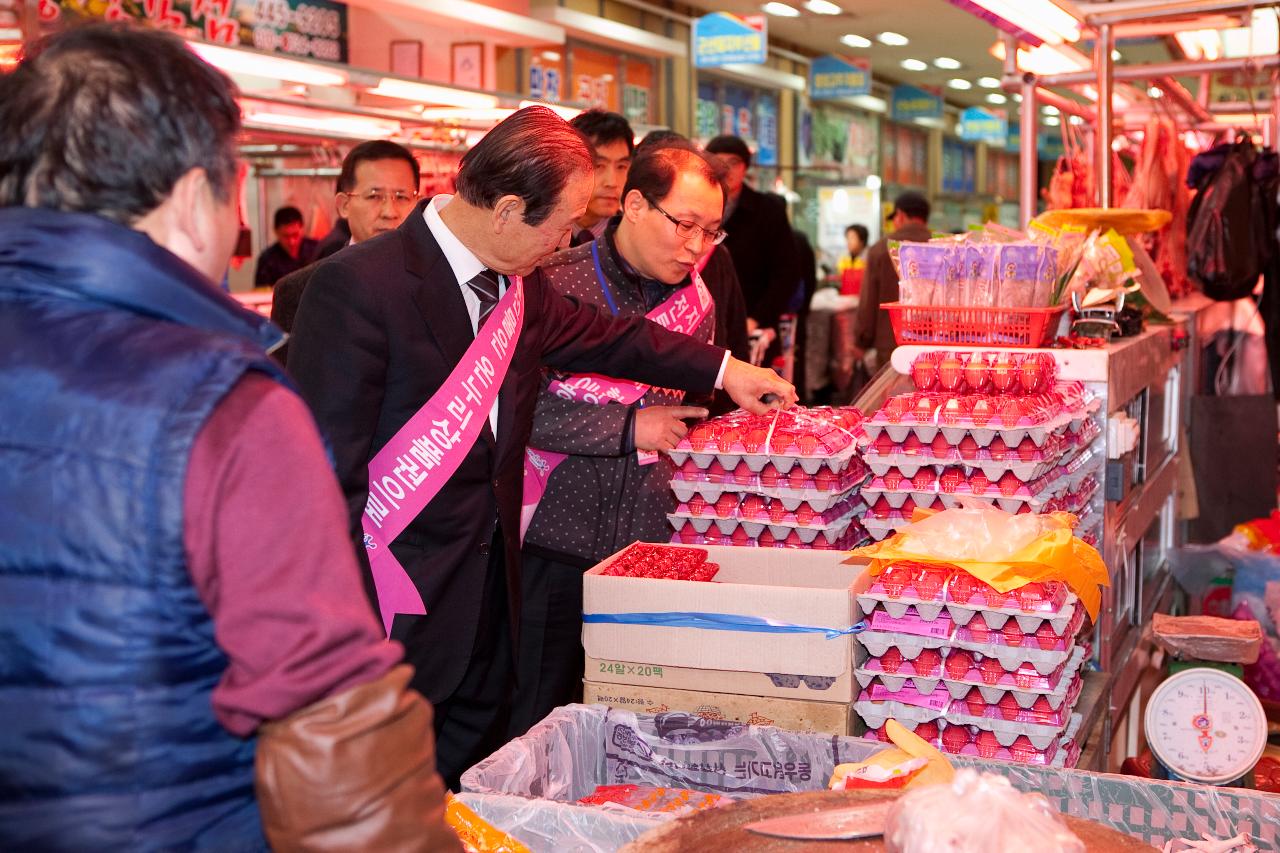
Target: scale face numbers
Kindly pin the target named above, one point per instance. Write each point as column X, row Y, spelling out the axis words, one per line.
column 1206, row 726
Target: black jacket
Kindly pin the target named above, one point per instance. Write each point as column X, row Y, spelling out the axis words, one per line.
column 764, row 254
column 380, row 326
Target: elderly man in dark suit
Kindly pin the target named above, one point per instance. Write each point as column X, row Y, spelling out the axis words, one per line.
column 376, row 342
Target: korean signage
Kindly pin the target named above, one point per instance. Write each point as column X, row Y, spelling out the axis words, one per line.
column 724, row 39
column 314, row 29
column 959, row 167
column 989, row 126
column 544, row 81
column 839, row 77
column 910, row 102
column 725, row 108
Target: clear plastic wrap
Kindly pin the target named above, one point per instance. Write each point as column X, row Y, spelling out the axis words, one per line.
column 984, row 814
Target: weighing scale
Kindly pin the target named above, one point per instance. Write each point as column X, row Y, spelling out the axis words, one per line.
column 1205, row 725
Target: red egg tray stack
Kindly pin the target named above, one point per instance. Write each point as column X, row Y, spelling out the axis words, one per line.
column 663, row 562
column 787, row 479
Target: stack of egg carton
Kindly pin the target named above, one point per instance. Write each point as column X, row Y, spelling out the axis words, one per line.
column 975, row 672
column 787, row 479
column 994, row 426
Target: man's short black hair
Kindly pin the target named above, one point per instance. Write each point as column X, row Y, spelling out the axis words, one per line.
column 531, row 154
column 286, row 215
column 730, row 145
column 654, row 170
column 375, row 149
column 660, row 138
column 602, row 127
column 860, row 230
column 105, row 118
column 914, row 205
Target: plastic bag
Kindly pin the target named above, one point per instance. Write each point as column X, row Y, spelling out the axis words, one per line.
column 1228, row 241
column 476, row 833
column 977, row 812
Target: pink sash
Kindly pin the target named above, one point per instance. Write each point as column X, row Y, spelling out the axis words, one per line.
column 414, row 465
column 683, row 312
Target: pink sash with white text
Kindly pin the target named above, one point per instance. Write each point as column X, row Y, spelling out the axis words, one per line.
column 415, row 464
column 683, row 312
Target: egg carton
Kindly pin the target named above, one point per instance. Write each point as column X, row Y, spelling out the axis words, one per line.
column 943, row 452
column 1010, row 657
column 1001, row 627
column 791, row 499
column 1037, row 427
column 924, row 584
column 1053, row 704
column 854, row 537
column 751, row 508
column 1063, row 753
column 1005, row 715
column 980, row 372
column 831, row 525
column 815, row 431
column 1064, row 497
column 874, row 712
column 755, row 462
column 909, row 466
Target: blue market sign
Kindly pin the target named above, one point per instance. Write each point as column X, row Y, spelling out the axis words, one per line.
column 909, row 102
column 839, row 77
column 724, row 39
column 989, row 126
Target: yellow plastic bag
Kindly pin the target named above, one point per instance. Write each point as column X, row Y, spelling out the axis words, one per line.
column 476, row 833
column 1004, row 550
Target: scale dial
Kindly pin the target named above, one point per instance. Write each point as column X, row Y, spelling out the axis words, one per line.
column 1206, row 726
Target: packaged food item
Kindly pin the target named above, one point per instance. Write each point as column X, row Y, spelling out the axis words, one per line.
column 664, row 562
column 646, row 798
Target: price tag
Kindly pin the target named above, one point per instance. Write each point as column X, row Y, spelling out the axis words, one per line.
column 939, row 628
column 938, row 700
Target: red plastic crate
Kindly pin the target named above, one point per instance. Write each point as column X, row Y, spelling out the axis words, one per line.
column 958, row 324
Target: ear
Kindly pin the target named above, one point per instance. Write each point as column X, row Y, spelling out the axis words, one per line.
column 342, row 202
column 634, row 205
column 507, row 212
column 191, row 211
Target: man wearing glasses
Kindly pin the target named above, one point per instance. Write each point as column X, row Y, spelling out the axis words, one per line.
column 595, row 480
column 377, row 188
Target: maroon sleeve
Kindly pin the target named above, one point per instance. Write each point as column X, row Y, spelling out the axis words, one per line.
column 265, row 530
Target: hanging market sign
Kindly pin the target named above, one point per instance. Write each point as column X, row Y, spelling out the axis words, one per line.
column 313, row 29
column 910, row 102
column 839, row 77
column 989, row 126
column 723, row 39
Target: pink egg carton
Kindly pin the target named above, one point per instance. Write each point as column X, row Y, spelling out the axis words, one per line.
column 1061, row 754
column 1008, row 475
column 963, row 669
column 830, row 525
column 941, row 451
column 1010, row 658
column 749, row 506
column 893, row 671
column 799, row 431
column 1003, row 373
column 877, row 704
column 1005, row 715
column 853, row 537
column 769, row 480
column 1001, row 627
column 909, row 582
column 759, row 463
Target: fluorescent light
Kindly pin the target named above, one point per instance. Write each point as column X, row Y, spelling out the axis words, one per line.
column 1200, row 44
column 1017, row 97
column 871, row 103
column 893, row 39
column 1047, row 59
column 946, row 63
column 566, row 113
column 1044, row 19
column 989, row 82
column 914, row 65
column 264, row 65
column 343, row 125
column 551, row 56
column 426, row 93
column 960, row 84
column 1155, row 92
column 823, row 7
column 1049, row 110
column 1052, row 121
column 782, row 10
column 490, row 115
column 855, row 40
column 1115, row 56
column 997, row 98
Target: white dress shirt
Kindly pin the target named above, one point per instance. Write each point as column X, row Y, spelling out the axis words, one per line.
column 465, row 266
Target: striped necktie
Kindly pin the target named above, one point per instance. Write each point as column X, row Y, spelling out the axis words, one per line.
column 485, row 287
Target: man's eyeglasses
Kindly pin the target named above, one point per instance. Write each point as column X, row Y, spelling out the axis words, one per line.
column 688, row 230
column 381, row 197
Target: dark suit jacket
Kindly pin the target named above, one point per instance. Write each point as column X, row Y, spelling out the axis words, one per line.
column 380, row 326
column 285, row 299
column 764, row 254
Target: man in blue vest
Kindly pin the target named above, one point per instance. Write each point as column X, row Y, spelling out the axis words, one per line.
column 178, row 597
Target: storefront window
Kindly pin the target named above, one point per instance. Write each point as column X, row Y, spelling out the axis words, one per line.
column 729, row 108
column 906, row 156
column 839, row 143
column 595, row 78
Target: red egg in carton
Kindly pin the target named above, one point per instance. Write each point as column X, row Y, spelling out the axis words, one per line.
column 962, row 672
column 1005, row 716
column 876, row 705
column 1064, row 754
column 993, row 660
column 906, row 582
column 733, row 509
column 927, row 664
column 979, row 372
column 1036, row 416
column 1044, row 636
column 662, row 562
column 818, row 500
column 853, row 537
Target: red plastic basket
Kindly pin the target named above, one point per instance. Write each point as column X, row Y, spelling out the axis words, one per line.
column 952, row 324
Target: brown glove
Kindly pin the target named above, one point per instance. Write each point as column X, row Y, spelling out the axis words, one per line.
column 355, row 771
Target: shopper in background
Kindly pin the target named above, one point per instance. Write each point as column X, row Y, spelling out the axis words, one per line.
column 852, row 266
column 871, row 329
column 292, row 250
column 176, row 587
column 377, row 187
column 613, row 145
column 604, row 496
column 381, row 328
column 759, row 240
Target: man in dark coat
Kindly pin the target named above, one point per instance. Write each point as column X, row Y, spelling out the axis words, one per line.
column 379, row 333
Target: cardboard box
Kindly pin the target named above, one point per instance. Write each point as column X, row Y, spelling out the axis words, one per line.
column 785, row 586
column 843, row 689
column 797, row 715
